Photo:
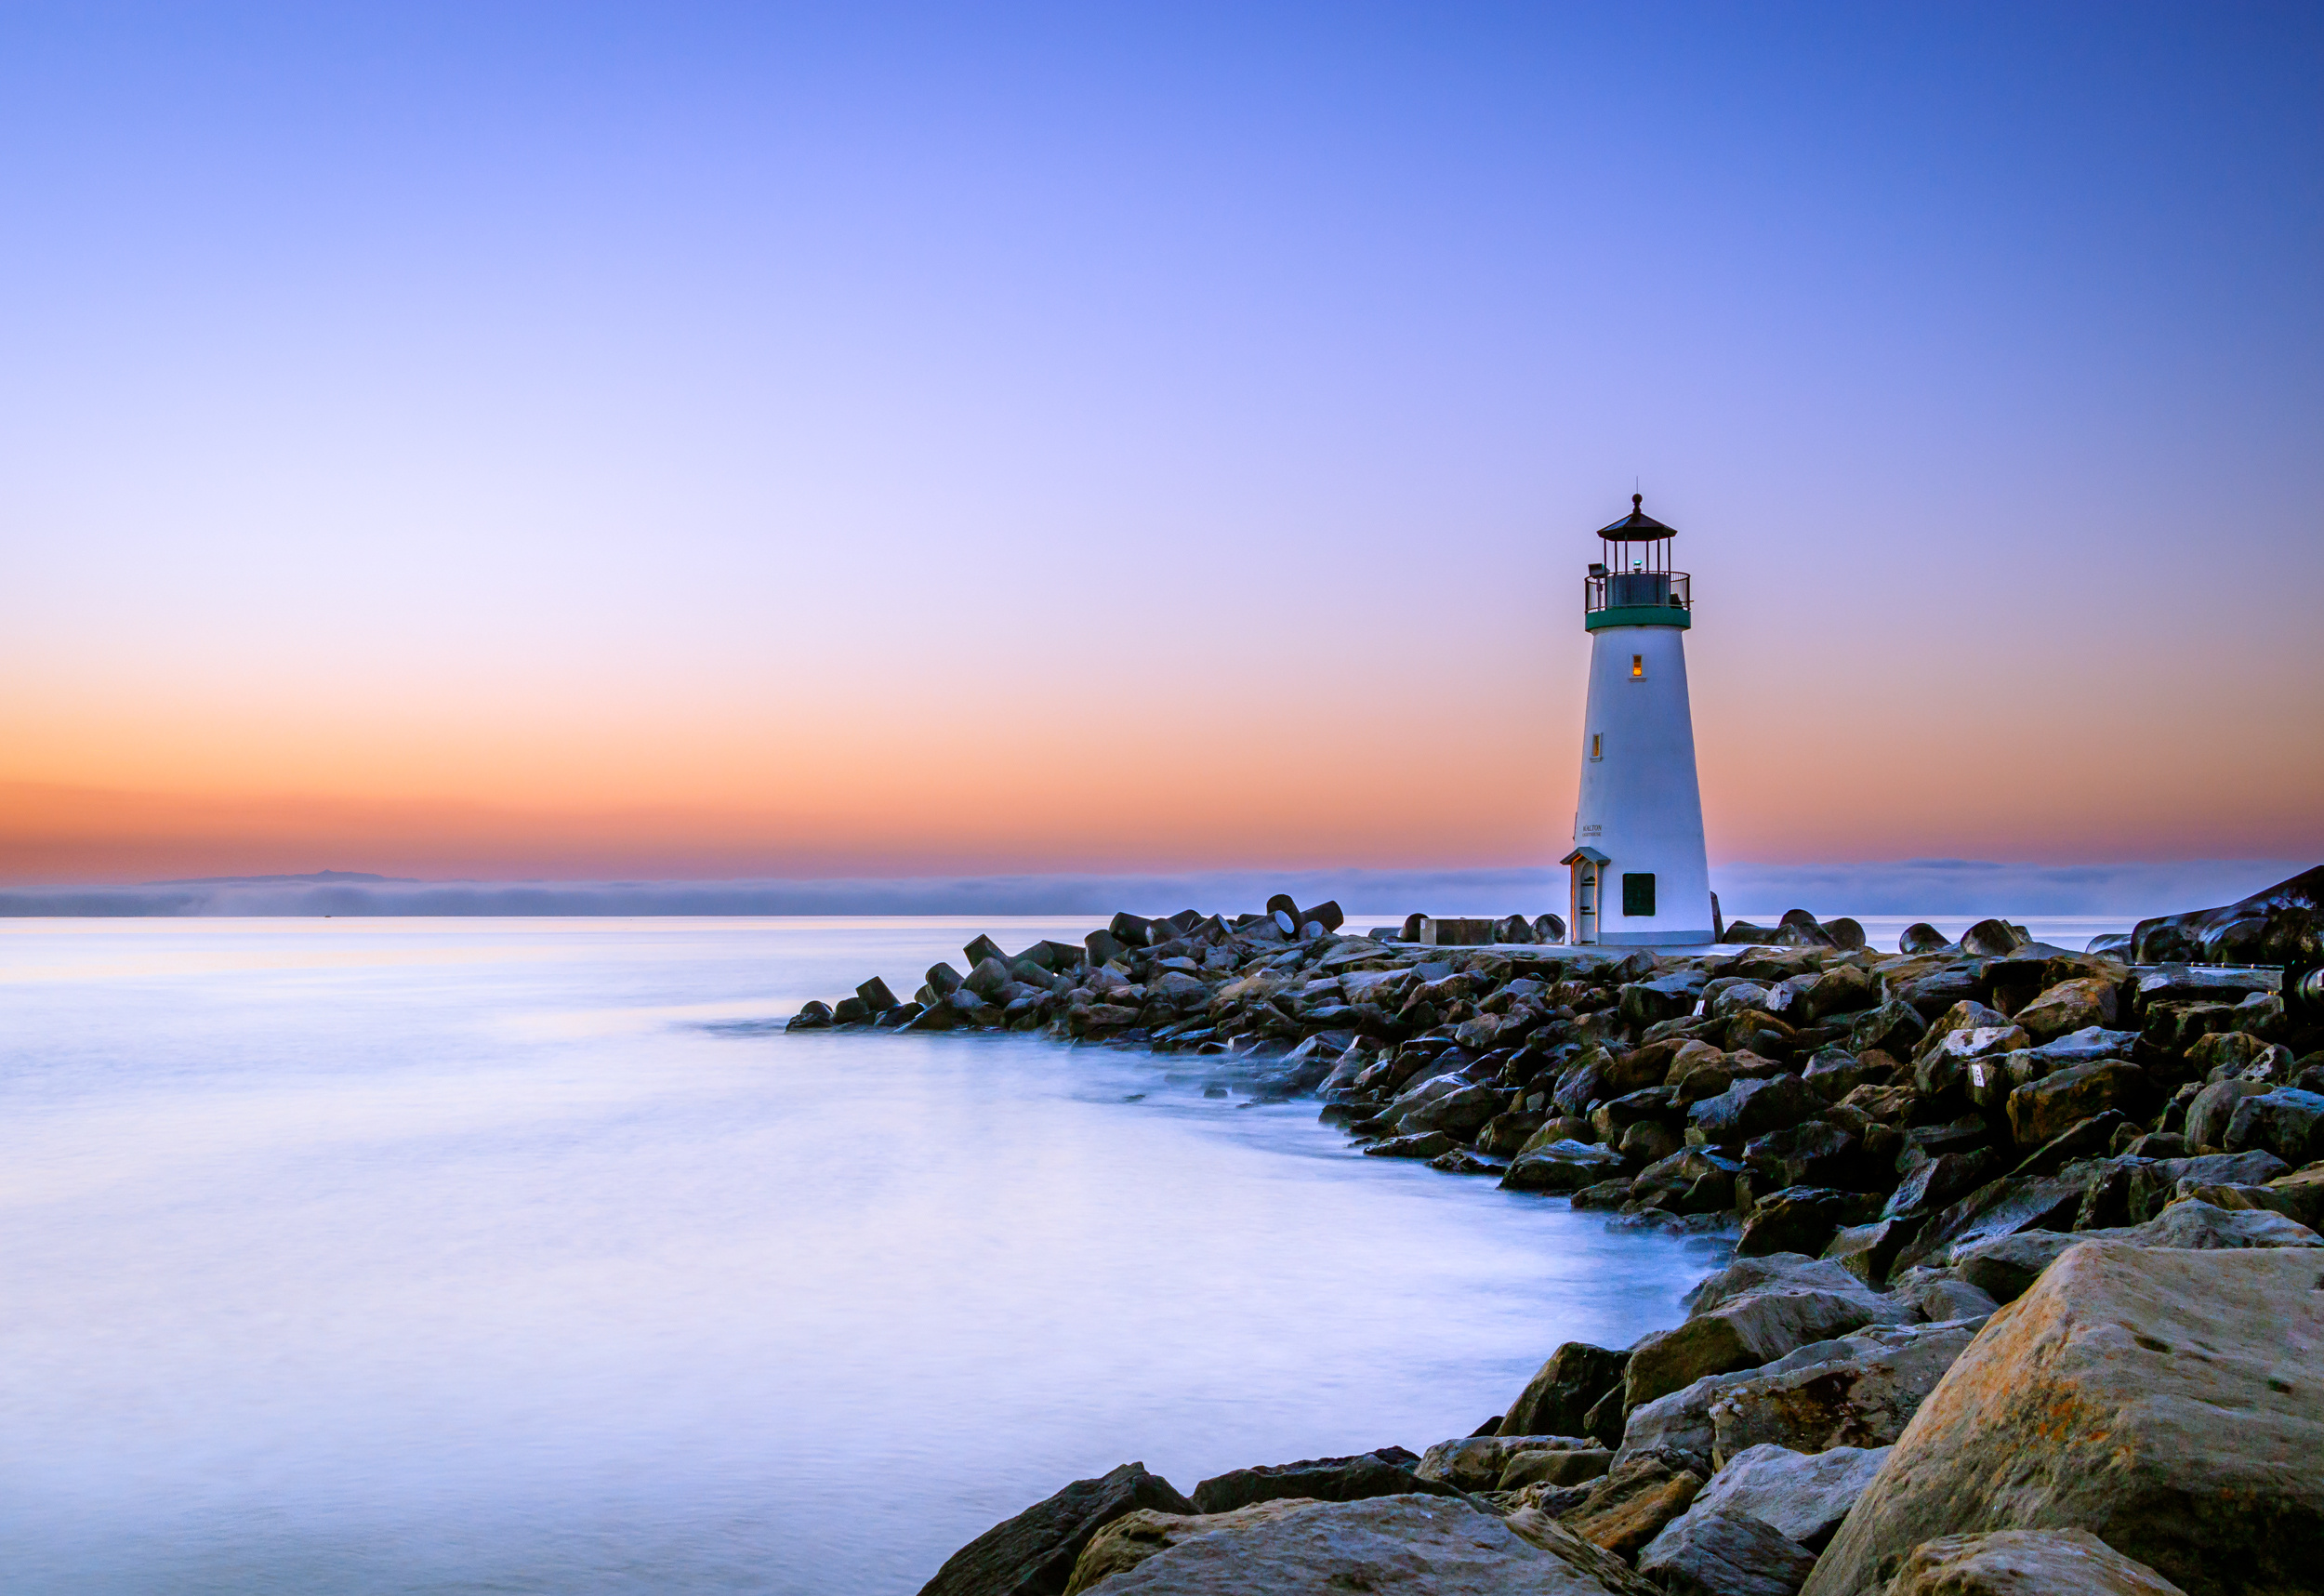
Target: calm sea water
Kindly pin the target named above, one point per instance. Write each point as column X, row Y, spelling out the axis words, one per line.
column 530, row 1255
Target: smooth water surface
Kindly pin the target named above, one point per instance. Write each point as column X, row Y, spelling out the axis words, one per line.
column 531, row 1256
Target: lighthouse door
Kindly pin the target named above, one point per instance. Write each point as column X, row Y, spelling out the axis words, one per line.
column 1589, row 867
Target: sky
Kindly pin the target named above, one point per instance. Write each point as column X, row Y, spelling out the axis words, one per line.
column 701, row 441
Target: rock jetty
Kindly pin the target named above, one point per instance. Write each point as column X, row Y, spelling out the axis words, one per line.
column 2028, row 1294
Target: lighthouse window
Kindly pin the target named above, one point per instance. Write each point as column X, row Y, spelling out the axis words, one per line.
column 1597, row 746
column 1638, row 667
column 1638, row 897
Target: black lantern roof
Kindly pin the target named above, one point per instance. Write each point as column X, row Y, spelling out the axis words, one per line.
column 1637, row 526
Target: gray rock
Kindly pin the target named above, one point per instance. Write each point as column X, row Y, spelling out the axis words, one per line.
column 1800, row 1301
column 1561, row 1166
column 2026, row 1562
column 2194, row 1225
column 1476, row 1462
column 1942, row 1298
column 1708, row 1553
column 1751, row 1108
column 1864, row 1398
column 1557, row 1400
column 1423, row 1145
column 1627, row 1509
column 2170, row 1402
column 2287, row 1122
column 1426, row 1546
column 1800, row 1219
column 1386, row 1472
column 1803, row 1496
column 2043, row 1109
column 1033, row 1554
column 2213, row 1110
column 1576, row 1466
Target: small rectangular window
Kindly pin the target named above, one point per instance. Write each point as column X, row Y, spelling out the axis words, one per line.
column 1638, row 668
column 1597, row 746
column 1638, row 897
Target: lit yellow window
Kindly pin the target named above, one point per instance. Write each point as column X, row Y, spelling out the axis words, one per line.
column 1637, row 666
column 1597, row 746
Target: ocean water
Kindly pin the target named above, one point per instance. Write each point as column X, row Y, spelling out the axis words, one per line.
column 531, row 1256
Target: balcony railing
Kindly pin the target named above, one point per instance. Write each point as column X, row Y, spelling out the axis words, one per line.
column 1636, row 590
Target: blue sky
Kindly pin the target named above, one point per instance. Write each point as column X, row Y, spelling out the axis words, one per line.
column 724, row 440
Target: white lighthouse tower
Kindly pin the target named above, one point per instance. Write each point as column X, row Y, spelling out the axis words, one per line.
column 1640, row 873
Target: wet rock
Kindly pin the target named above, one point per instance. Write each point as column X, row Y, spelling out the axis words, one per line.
column 1939, row 1298
column 1426, row 1144
column 1800, row 1219
column 2213, row 1110
column 2280, row 926
column 1921, row 937
column 1034, row 1554
column 2026, row 1562
column 2041, row 1109
column 1563, row 1467
column 1754, row 1311
column 1803, row 1496
column 1561, row 1166
column 1610, row 1118
column 1557, row 1400
column 1385, row 1472
column 1820, row 1152
column 1630, row 1506
column 1689, row 1182
column 1834, row 1072
column 1842, row 989
column 1644, row 1003
column 1712, row 1552
column 2287, row 1122
column 1993, row 938
column 813, row 1015
column 2170, row 1402
column 876, row 996
column 1869, row 1251
column 1751, row 1108
column 1939, row 1181
column 1477, row 1462
column 2071, row 1006
column 1462, row 1112
column 1133, row 1537
column 1862, row 1393
column 1429, row 1545
column 2192, row 1225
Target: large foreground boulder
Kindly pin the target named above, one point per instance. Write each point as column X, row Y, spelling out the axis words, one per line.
column 2026, row 1562
column 1034, row 1554
column 1413, row 1546
column 2171, row 1403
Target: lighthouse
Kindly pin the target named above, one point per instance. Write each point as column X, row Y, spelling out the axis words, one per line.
column 1640, row 873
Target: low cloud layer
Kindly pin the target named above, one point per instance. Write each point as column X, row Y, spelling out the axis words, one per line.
column 1926, row 887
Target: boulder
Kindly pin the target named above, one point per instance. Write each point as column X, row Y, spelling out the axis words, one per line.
column 1945, row 1066
column 813, row 1015
column 1557, row 1400
column 1385, row 1472
column 2026, row 1562
column 1711, row 1552
column 1745, row 1318
column 1476, row 1462
column 1561, row 1166
column 1863, row 1393
column 1692, row 1180
column 1940, row 1180
column 2283, row 925
column 1993, row 938
column 1842, row 989
column 1798, row 1219
column 1820, row 1151
column 1892, row 1028
column 1803, row 1494
column 1966, row 1014
column 2213, row 1110
column 1428, row 1545
column 1921, row 937
column 1628, row 1506
column 1870, row 1252
column 1461, row 1110
column 2041, row 1109
column 1421, row 1144
column 1034, row 1554
column 1644, row 1003
column 2287, row 1122
column 2071, row 1006
column 1751, row 1108
column 1133, row 1537
column 1556, row 1467
column 2170, row 1402
column 2203, row 1225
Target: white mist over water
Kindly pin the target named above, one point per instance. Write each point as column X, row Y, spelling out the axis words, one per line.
column 530, row 1255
